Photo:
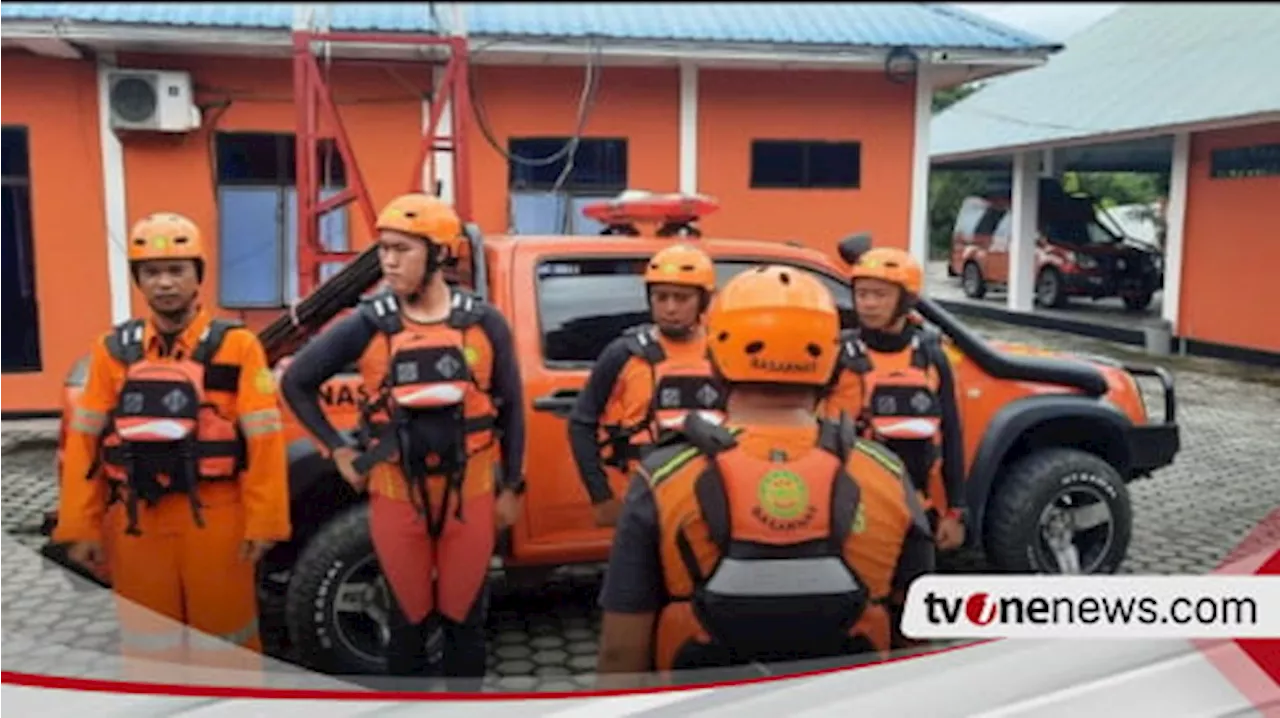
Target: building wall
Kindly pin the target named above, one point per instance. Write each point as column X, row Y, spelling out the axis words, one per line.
column 382, row 115
column 57, row 102
column 736, row 107
column 1232, row 247
column 639, row 104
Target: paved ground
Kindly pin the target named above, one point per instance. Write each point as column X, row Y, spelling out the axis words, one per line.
column 1110, row 311
column 1188, row 518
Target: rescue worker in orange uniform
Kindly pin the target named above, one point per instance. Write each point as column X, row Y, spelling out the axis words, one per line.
column 446, row 412
column 645, row 381
column 898, row 386
column 774, row 536
column 175, row 455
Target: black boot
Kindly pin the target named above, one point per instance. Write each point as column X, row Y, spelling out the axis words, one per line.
column 407, row 645
column 465, row 648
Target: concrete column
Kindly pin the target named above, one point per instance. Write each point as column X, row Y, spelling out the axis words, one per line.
column 919, row 225
column 1176, row 216
column 1022, row 240
column 114, row 203
column 1048, row 163
column 688, row 127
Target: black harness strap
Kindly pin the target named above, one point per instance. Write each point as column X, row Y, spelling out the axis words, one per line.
column 125, row 344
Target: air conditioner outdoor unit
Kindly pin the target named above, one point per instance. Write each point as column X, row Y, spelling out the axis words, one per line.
column 155, row 100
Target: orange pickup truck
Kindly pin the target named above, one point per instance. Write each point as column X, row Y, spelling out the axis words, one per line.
column 1050, row 443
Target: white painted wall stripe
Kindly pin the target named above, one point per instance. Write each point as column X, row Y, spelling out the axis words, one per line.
column 688, row 128
column 114, row 204
column 1176, row 217
column 918, row 242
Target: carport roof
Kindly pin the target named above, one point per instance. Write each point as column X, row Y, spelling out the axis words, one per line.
column 1142, row 71
column 920, row 25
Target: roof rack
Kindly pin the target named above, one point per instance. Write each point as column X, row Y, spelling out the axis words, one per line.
column 633, row 213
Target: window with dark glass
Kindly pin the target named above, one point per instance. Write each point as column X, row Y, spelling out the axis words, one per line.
column 546, row 198
column 21, row 328
column 258, row 216
column 583, row 304
column 805, row 164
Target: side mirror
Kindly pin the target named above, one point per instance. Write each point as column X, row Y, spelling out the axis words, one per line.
column 854, row 246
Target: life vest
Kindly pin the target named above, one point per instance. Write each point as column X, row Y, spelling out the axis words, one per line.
column 900, row 406
column 780, row 586
column 164, row 435
column 429, row 412
column 679, row 388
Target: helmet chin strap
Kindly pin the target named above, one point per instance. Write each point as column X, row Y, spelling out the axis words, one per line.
column 434, row 264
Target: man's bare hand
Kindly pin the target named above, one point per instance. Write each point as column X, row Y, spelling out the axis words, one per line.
column 344, row 458
column 950, row 534
column 507, row 509
column 607, row 512
column 252, row 550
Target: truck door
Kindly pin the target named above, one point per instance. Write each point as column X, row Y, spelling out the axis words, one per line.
column 581, row 304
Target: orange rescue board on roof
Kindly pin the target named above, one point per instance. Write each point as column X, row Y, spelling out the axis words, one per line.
column 651, row 208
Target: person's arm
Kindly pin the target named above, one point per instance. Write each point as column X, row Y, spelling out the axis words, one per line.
column 507, row 391
column 917, row 558
column 584, row 421
column 327, row 354
column 264, row 484
column 82, row 498
column 633, row 592
column 952, row 464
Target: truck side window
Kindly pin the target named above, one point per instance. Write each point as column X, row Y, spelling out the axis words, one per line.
column 987, row 225
column 583, row 304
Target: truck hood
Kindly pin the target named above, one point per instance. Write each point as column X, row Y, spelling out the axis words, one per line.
column 1122, row 387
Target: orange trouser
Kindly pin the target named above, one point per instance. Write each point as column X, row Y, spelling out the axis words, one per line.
column 459, row 558
column 408, row 555
column 178, row 573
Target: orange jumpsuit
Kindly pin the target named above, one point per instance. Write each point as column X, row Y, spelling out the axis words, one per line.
column 176, row 572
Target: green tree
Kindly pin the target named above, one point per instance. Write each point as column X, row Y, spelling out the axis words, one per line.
column 948, row 188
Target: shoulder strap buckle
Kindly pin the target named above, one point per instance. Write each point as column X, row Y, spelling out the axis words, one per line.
column 384, row 311
column 211, row 339
column 709, row 438
column 643, row 344
column 465, row 309
column 125, row 341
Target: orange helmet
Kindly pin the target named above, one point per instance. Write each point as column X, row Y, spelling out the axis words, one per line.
column 776, row 325
column 165, row 235
column 422, row 215
column 682, row 264
column 891, row 265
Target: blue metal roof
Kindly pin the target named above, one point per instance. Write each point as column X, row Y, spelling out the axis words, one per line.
column 923, row 25
column 415, row 17
column 853, row 24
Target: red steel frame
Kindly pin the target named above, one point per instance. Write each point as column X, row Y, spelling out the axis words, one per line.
column 312, row 96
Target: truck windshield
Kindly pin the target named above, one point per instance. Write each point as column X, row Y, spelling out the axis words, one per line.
column 583, row 304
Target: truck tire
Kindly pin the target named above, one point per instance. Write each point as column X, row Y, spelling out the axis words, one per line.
column 338, row 601
column 971, row 280
column 1061, row 492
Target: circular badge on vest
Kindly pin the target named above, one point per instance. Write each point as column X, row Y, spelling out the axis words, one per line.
column 471, row 354
column 783, row 495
